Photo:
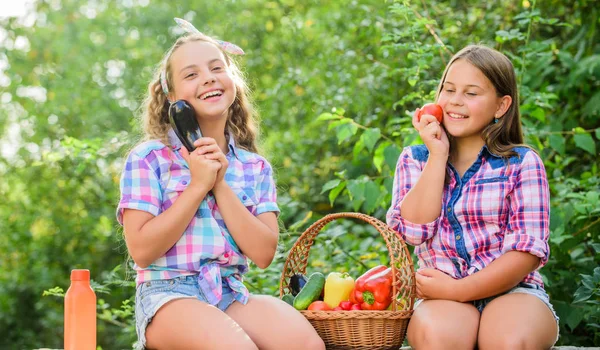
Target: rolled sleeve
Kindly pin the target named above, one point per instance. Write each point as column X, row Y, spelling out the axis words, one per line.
column 267, row 191
column 140, row 187
column 408, row 171
column 528, row 222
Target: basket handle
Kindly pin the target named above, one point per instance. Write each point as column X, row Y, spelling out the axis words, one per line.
column 297, row 260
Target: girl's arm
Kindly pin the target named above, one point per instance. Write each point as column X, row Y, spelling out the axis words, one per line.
column 148, row 237
column 501, row 275
column 255, row 235
column 150, row 233
column 408, row 179
column 423, row 203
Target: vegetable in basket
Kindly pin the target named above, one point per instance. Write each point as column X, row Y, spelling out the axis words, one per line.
column 337, row 288
column 373, row 290
column 288, row 298
column 311, row 291
column 319, row 306
column 297, row 281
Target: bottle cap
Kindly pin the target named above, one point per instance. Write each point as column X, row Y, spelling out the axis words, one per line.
column 80, row 275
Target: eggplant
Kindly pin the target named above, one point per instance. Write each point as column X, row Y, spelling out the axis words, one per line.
column 182, row 118
column 297, row 282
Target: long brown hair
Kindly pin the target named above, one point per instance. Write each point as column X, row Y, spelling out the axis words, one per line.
column 242, row 121
column 505, row 134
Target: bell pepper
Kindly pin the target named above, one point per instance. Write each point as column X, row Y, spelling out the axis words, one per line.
column 337, row 288
column 374, row 291
column 360, row 282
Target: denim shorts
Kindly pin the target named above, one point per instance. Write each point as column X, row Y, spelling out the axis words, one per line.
column 151, row 296
column 523, row 287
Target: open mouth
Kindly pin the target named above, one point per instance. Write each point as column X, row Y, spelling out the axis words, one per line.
column 457, row 116
column 211, row 94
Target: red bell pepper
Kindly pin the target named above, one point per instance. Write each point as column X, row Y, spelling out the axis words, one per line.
column 373, row 290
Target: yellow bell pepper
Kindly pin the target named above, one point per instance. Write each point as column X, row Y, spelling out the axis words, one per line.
column 337, row 288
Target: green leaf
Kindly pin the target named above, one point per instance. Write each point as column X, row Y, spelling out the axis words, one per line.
column 574, row 318
column 372, row 193
column 370, row 138
column 329, row 185
column 336, row 191
column 592, row 198
column 356, row 189
column 391, row 155
column 338, row 111
column 345, row 131
column 585, row 142
column 378, row 157
column 582, row 294
column 598, row 133
column 359, row 146
column 557, row 142
column 326, row 116
column 539, row 114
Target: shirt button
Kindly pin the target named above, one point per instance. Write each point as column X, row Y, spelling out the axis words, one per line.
column 199, row 277
column 457, row 237
column 449, row 210
column 244, row 197
column 184, row 182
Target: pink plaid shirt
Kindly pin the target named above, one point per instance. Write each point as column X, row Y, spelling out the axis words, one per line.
column 153, row 178
column 497, row 206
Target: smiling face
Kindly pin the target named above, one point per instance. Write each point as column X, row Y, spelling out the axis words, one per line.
column 201, row 76
column 469, row 100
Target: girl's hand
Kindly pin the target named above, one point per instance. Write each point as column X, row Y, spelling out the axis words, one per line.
column 434, row 284
column 208, row 147
column 432, row 133
column 203, row 170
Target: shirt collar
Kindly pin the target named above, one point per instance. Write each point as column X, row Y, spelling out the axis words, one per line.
column 176, row 143
column 485, row 150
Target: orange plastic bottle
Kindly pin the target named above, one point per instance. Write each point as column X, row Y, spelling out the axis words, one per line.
column 80, row 313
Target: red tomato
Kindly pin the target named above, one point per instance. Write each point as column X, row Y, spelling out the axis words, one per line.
column 355, row 307
column 338, row 308
column 432, row 109
column 345, row 305
column 318, row 306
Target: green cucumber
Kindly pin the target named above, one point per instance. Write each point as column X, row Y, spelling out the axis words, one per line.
column 310, row 292
column 288, row 298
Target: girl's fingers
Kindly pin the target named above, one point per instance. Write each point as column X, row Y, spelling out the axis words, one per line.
column 185, row 154
column 415, row 119
column 204, row 141
column 207, row 149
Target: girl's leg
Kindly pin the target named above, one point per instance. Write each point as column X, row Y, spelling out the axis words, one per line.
column 443, row 324
column 191, row 324
column 517, row 321
column 273, row 324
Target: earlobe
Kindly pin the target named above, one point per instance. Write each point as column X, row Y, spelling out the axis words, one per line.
column 505, row 104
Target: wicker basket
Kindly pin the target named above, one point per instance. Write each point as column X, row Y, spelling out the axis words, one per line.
column 359, row 329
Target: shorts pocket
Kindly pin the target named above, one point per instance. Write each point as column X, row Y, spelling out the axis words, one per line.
column 147, row 289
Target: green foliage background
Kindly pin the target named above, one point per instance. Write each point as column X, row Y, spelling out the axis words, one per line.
column 335, row 82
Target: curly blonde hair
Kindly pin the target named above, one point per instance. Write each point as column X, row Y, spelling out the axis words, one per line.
column 242, row 121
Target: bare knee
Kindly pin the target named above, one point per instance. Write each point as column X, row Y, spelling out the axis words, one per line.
column 437, row 336
column 314, row 342
column 442, row 324
column 516, row 341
